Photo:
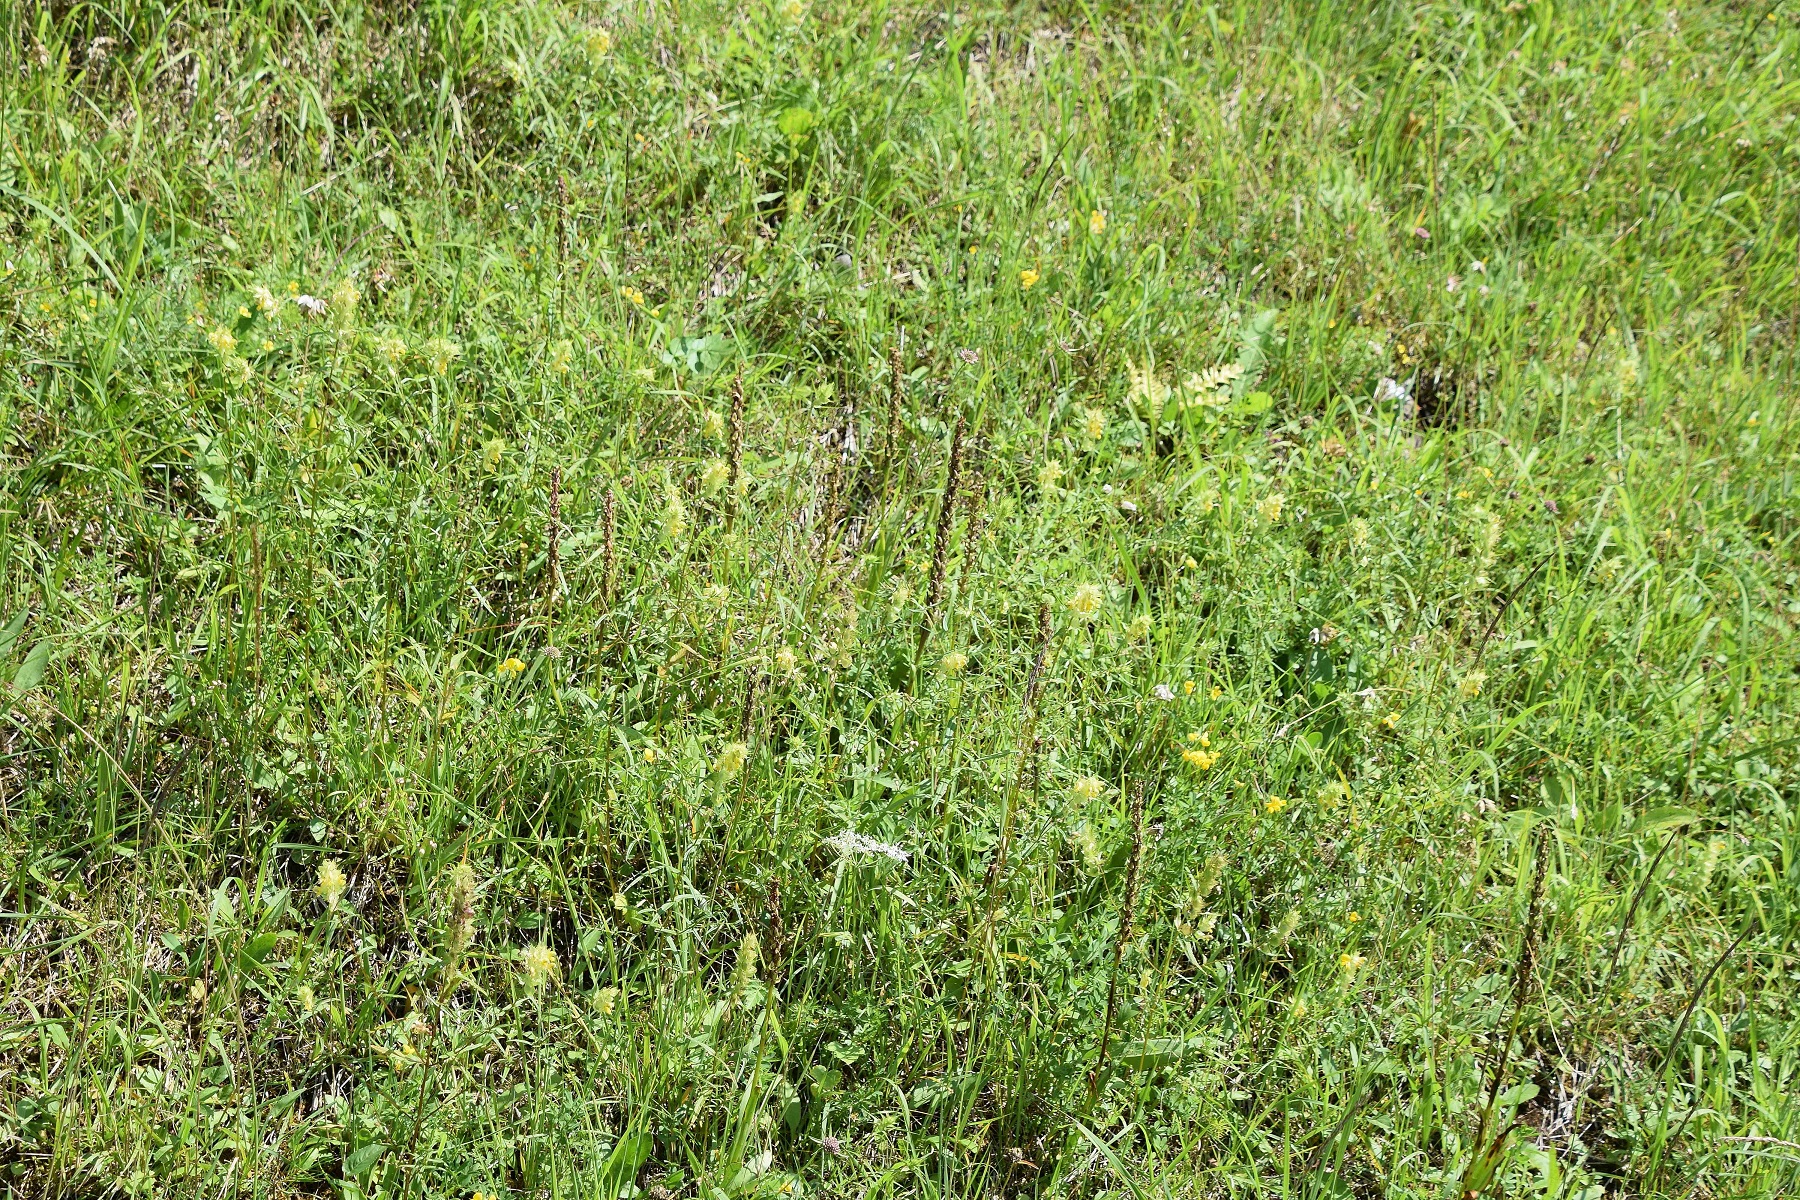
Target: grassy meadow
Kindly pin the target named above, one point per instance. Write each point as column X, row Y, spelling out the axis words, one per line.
column 1081, row 598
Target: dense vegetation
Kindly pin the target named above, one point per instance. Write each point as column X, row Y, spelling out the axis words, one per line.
column 821, row 599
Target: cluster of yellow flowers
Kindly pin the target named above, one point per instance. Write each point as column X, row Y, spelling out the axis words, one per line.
column 441, row 352
column 1199, row 752
column 540, row 965
column 1086, row 599
column 674, row 516
column 731, row 759
column 632, row 294
column 332, row 882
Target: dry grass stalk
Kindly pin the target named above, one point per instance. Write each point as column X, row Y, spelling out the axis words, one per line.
column 552, row 565
column 734, row 457
column 940, row 550
column 1126, row 911
column 609, row 551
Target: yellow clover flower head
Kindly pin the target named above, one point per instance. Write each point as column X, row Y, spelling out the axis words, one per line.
column 1086, row 599
column 731, row 759
column 540, row 964
column 332, row 882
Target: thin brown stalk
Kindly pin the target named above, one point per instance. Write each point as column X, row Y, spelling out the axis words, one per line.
column 1029, row 744
column 940, row 550
column 607, row 558
column 1126, row 912
column 972, row 533
column 1035, row 681
column 735, row 455
column 896, row 384
column 772, row 943
column 552, row 568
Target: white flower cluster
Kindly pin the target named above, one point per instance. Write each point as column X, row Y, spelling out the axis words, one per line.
column 849, row 843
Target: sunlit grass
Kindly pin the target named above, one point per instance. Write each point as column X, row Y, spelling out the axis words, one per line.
column 805, row 599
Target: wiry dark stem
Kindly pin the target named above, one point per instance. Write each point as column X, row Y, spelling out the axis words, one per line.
column 608, row 561
column 1126, row 912
column 1029, row 744
column 552, row 535
column 890, row 449
column 946, row 521
column 734, row 457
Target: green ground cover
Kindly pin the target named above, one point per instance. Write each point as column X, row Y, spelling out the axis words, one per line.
column 847, row 600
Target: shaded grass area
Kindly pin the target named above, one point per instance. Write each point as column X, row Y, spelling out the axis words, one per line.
column 888, row 601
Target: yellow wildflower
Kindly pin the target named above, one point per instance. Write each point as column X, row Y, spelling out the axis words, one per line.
column 674, row 520
column 712, row 423
column 392, row 347
column 1093, row 424
column 954, row 662
column 1271, row 507
column 222, row 340
column 715, row 476
column 1097, row 222
column 731, row 759
column 786, row 660
column 442, row 352
column 540, row 965
column 1088, row 787
column 1050, row 475
column 332, row 882
column 1274, row 804
column 1028, row 278
column 510, row 667
column 1085, row 601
